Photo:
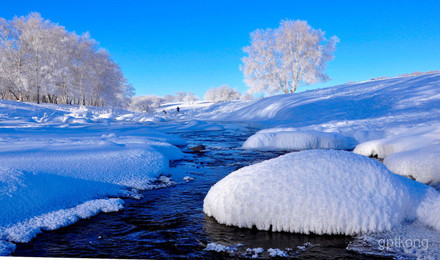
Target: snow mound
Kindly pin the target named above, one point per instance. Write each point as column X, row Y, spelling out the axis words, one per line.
column 421, row 164
column 319, row 191
column 288, row 140
column 413, row 138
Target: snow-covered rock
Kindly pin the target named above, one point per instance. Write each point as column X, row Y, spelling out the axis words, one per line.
column 421, row 164
column 410, row 139
column 290, row 140
column 319, row 191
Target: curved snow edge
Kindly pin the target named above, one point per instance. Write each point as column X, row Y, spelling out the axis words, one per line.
column 23, row 232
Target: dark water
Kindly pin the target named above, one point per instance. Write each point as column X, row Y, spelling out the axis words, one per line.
column 169, row 222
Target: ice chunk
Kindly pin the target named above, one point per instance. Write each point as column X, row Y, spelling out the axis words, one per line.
column 275, row 252
column 220, row 248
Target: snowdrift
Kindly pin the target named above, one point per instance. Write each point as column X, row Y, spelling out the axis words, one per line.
column 322, row 192
column 291, row 140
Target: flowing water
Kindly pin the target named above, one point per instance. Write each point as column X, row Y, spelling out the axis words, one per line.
column 169, row 222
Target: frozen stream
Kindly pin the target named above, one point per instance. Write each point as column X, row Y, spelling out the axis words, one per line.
column 169, row 222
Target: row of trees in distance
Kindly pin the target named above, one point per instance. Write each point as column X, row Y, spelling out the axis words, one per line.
column 42, row 62
column 215, row 94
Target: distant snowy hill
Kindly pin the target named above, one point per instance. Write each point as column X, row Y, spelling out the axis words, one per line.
column 408, row 101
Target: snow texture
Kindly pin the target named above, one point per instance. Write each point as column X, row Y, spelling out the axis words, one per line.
column 421, row 164
column 288, row 140
column 322, row 192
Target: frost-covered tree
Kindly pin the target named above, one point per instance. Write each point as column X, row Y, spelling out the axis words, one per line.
column 146, row 103
column 221, row 94
column 284, row 58
column 191, row 98
column 180, row 96
column 41, row 62
column 169, row 98
column 247, row 97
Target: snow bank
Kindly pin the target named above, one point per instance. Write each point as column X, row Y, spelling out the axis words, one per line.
column 422, row 164
column 413, row 138
column 31, row 202
column 105, row 162
column 24, row 231
column 319, row 191
column 288, row 140
column 25, row 194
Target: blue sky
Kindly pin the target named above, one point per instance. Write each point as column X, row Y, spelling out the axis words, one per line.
column 168, row 46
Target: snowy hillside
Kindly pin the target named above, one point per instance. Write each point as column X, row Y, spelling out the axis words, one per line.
column 396, row 117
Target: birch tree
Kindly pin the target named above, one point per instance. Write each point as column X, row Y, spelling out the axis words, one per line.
column 287, row 57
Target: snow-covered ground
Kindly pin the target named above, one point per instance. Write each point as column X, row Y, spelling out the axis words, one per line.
column 49, row 152
column 63, row 163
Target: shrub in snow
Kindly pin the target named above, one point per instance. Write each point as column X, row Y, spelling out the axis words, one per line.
column 421, row 164
column 288, row 140
column 221, row 94
column 322, row 192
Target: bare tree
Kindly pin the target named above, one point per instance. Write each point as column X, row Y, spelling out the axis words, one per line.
column 284, row 58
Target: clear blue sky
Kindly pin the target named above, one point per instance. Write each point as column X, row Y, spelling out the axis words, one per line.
column 167, row 46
